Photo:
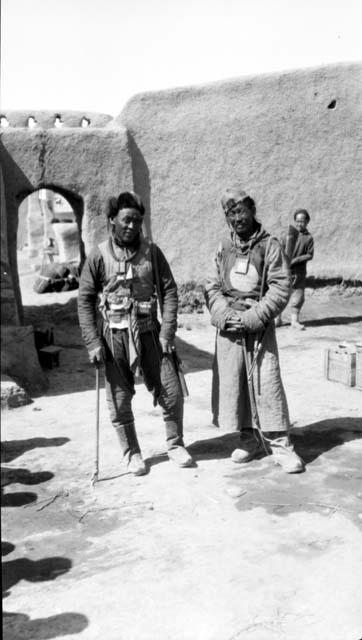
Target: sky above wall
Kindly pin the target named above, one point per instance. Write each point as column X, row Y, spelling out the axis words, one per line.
column 93, row 55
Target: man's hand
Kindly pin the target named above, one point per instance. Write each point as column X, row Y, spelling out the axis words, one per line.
column 96, row 356
column 166, row 345
column 234, row 324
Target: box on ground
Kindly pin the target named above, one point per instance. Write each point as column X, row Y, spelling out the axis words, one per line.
column 340, row 364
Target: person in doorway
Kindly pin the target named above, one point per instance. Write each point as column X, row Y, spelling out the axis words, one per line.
column 120, row 273
column 247, row 287
column 301, row 251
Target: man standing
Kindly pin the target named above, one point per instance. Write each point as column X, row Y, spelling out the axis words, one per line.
column 247, row 288
column 302, row 251
column 119, row 279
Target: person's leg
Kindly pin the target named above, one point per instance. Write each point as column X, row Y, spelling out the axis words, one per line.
column 161, row 378
column 296, row 303
column 272, row 408
column 119, row 391
column 283, row 452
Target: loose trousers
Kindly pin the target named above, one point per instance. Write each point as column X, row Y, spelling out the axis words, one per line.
column 159, row 376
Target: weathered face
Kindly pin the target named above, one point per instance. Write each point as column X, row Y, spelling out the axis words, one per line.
column 127, row 225
column 241, row 219
column 301, row 221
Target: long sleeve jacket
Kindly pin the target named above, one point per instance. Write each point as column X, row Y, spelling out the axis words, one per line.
column 93, row 280
column 303, row 252
column 222, row 295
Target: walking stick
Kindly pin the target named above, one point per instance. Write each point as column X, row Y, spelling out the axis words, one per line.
column 253, row 406
column 96, row 460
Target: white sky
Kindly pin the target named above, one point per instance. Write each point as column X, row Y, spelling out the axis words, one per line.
column 95, row 54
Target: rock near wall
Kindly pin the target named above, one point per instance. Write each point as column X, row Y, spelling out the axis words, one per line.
column 291, row 139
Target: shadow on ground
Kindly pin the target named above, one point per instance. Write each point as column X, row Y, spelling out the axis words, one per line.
column 331, row 483
column 19, row 626
column 11, row 449
column 334, row 320
column 310, row 441
column 32, row 570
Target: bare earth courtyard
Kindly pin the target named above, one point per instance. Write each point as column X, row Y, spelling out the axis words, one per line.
column 214, row 552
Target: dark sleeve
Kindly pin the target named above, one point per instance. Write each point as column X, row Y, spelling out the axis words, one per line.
column 90, row 284
column 307, row 254
column 169, row 297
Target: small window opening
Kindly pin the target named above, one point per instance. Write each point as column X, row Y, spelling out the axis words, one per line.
column 332, row 104
column 58, row 122
column 4, row 122
column 32, row 122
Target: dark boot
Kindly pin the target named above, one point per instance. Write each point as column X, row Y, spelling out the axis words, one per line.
column 250, row 446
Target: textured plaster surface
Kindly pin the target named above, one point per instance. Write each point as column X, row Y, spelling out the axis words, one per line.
column 276, row 136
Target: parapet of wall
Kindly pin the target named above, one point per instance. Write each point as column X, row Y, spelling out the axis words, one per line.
column 292, row 140
column 46, row 119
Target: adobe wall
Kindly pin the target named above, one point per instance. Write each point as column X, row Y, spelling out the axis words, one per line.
column 86, row 165
column 276, row 135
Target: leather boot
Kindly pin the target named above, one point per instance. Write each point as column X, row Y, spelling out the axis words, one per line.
column 130, row 449
column 249, row 447
column 175, row 445
column 283, row 453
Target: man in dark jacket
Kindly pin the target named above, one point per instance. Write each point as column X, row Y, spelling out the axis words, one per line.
column 247, row 287
column 118, row 278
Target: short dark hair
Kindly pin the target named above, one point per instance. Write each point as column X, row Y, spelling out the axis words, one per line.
column 304, row 212
column 125, row 200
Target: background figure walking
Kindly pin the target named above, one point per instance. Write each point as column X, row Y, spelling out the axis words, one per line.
column 299, row 251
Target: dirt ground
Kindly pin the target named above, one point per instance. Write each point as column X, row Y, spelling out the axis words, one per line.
column 214, row 552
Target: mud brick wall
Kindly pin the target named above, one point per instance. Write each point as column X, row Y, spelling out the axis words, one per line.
column 291, row 139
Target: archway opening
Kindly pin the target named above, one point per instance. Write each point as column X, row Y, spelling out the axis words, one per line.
column 50, row 251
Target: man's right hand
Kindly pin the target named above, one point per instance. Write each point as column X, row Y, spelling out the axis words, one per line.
column 234, row 325
column 96, row 356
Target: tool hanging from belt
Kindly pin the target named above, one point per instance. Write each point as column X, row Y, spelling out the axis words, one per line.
column 120, row 310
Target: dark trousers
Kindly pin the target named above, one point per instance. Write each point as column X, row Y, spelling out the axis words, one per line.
column 160, row 378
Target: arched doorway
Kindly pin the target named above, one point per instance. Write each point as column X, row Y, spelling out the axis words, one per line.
column 49, row 233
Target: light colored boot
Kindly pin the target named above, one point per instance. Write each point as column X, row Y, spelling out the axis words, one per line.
column 130, row 449
column 250, row 446
column 284, row 455
column 136, row 465
column 180, row 456
column 294, row 321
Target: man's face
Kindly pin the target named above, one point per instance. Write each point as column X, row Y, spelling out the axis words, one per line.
column 241, row 219
column 301, row 221
column 127, row 225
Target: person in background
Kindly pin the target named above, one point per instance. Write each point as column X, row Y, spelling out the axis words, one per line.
column 300, row 252
column 248, row 285
column 118, row 279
